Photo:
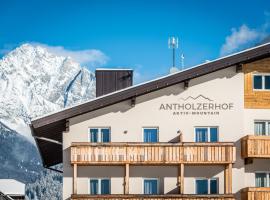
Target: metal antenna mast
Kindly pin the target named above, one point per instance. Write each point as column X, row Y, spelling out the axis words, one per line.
column 173, row 44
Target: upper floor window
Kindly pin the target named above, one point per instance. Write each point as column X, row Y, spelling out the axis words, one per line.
column 150, row 186
column 150, row 134
column 100, row 186
column 206, row 186
column 206, row 134
column 262, row 127
column 100, row 135
column 261, row 82
column 262, row 179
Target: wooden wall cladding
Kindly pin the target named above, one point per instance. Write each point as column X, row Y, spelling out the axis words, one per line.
column 256, row 99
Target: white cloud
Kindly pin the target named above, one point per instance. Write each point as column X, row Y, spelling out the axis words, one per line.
column 92, row 57
column 241, row 37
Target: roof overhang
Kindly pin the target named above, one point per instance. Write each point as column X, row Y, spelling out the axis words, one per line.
column 53, row 125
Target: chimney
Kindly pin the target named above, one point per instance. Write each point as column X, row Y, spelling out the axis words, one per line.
column 111, row 80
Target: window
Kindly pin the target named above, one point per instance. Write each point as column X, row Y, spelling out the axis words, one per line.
column 100, row 135
column 261, row 82
column 262, row 179
column 150, row 135
column 262, row 127
column 150, row 186
column 206, row 134
column 100, row 186
column 207, row 186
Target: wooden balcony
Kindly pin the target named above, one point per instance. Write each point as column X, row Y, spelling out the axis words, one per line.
column 253, row 193
column 152, row 153
column 255, row 146
column 153, row 197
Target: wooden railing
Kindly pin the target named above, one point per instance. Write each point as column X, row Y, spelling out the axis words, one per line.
column 255, row 146
column 255, row 193
column 153, row 197
column 152, row 153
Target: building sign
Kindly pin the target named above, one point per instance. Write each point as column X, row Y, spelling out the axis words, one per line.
column 199, row 105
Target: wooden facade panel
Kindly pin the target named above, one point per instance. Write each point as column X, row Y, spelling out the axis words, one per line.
column 253, row 146
column 153, row 197
column 255, row 193
column 141, row 153
column 256, row 99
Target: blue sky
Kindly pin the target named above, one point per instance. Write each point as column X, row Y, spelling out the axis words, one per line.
column 134, row 33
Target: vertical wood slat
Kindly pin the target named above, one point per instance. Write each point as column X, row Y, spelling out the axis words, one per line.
column 255, row 193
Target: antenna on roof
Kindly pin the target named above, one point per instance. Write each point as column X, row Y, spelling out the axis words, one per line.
column 173, row 44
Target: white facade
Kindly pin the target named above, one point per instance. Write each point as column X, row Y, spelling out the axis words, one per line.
column 126, row 124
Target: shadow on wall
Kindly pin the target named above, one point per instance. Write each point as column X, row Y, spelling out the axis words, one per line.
column 172, row 90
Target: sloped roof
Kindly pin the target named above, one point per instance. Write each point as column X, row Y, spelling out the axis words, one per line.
column 52, row 125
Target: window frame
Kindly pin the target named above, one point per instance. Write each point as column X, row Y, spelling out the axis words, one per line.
column 156, row 179
column 150, row 127
column 263, row 75
column 99, row 133
column 99, row 184
column 208, row 184
column 208, row 133
column 267, row 127
column 267, row 177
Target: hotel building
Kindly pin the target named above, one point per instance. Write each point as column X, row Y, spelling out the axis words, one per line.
column 202, row 133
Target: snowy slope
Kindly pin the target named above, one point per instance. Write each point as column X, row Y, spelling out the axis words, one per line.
column 34, row 82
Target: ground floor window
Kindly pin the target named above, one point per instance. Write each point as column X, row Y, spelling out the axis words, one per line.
column 100, row 186
column 262, row 179
column 150, row 186
column 206, row 186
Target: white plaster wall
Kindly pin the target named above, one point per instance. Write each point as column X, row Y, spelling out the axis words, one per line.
column 222, row 86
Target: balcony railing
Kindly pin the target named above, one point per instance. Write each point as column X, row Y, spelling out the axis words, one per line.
column 255, row 146
column 255, row 193
column 152, row 153
column 154, row 197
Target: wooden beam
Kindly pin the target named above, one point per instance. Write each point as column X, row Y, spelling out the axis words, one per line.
column 126, row 185
column 186, row 84
column 239, row 68
column 133, row 101
column 75, row 179
column 228, row 179
column 181, row 178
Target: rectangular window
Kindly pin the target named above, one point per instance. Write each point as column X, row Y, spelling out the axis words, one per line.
column 262, row 127
column 261, row 82
column 150, row 186
column 100, row 186
column 261, row 179
column 100, row 135
column 213, row 186
column 150, row 135
column 202, row 186
column 206, row 134
column 206, row 186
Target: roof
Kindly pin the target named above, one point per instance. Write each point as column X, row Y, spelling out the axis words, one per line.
column 52, row 125
column 11, row 186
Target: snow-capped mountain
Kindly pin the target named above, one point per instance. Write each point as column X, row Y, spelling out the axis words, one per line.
column 34, row 82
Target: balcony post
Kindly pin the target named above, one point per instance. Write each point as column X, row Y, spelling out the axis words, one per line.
column 181, row 178
column 228, row 179
column 75, row 179
column 126, row 184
